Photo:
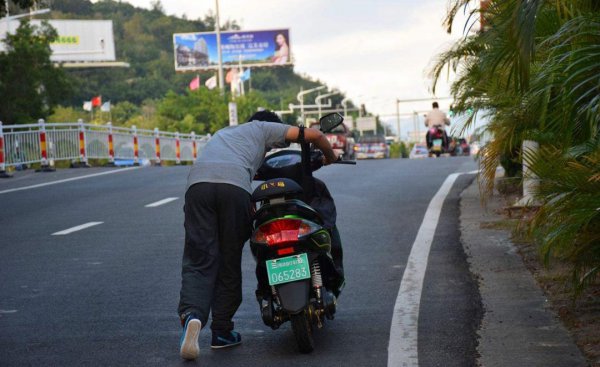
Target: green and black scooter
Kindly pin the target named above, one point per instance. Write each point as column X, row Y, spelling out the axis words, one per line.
column 297, row 277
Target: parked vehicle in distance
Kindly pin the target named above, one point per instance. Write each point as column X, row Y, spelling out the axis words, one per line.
column 371, row 146
column 418, row 151
column 341, row 140
column 462, row 147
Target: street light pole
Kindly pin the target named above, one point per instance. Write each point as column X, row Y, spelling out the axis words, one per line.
column 218, row 26
column 300, row 98
column 321, row 96
column 345, row 104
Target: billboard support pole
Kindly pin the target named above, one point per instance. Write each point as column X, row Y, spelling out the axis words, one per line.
column 218, row 26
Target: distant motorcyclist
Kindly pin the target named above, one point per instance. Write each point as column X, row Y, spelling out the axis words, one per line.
column 436, row 119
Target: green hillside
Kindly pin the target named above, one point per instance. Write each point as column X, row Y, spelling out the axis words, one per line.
column 150, row 93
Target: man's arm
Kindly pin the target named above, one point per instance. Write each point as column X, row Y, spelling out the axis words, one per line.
column 317, row 138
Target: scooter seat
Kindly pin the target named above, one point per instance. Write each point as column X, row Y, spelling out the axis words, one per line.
column 277, row 187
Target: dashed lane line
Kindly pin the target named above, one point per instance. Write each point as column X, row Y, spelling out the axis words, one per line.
column 76, row 228
column 161, row 202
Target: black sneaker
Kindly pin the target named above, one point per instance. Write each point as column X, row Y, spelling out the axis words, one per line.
column 188, row 345
column 225, row 339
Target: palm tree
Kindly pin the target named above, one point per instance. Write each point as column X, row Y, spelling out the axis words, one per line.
column 535, row 70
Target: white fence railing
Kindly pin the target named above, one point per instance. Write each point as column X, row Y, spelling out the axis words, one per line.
column 77, row 142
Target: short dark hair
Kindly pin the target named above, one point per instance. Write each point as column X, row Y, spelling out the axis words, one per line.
column 435, row 105
column 265, row 115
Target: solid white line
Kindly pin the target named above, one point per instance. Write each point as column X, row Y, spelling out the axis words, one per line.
column 68, row 180
column 402, row 348
column 76, row 228
column 161, row 202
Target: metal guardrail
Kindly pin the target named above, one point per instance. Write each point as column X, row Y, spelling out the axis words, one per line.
column 77, row 142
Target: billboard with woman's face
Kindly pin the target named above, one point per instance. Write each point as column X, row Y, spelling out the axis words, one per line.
column 198, row 51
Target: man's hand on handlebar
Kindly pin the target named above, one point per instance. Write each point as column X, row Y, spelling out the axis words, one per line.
column 335, row 157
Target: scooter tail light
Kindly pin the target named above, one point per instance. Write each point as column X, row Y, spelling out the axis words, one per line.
column 285, row 251
column 281, row 232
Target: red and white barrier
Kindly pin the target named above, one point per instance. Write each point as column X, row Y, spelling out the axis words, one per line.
column 194, row 147
column 45, row 163
column 79, row 143
column 177, row 149
column 136, row 155
column 3, row 173
column 157, row 145
column 82, row 143
column 111, row 146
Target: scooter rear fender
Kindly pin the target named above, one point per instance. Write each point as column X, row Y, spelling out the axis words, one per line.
column 294, row 296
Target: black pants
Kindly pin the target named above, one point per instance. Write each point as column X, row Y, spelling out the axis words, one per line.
column 429, row 140
column 217, row 224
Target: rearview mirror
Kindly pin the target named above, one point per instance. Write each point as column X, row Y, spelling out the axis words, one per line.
column 330, row 121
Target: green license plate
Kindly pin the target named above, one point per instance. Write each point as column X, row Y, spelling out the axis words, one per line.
column 288, row 269
column 437, row 142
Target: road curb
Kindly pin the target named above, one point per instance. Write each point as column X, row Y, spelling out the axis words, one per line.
column 518, row 327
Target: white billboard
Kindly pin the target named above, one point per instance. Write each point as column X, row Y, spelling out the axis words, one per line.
column 366, row 124
column 78, row 40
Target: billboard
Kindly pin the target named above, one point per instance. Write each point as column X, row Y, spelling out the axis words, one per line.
column 366, row 124
column 198, row 51
column 78, row 40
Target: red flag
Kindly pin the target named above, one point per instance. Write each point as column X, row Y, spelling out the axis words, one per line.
column 195, row 83
column 231, row 76
column 97, row 101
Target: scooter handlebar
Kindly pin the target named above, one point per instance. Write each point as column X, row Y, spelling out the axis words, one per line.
column 340, row 161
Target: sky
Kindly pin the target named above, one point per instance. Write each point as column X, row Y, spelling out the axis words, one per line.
column 374, row 51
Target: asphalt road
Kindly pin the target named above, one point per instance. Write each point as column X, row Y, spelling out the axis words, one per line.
column 107, row 295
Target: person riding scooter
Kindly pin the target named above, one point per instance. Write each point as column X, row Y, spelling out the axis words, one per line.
column 436, row 119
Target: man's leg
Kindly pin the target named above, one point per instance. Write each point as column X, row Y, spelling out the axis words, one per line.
column 336, row 251
column 234, row 230
column 338, row 259
column 446, row 141
column 201, row 252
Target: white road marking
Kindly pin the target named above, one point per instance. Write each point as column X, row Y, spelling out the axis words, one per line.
column 7, row 311
column 76, row 228
column 402, row 348
column 67, row 180
column 161, row 202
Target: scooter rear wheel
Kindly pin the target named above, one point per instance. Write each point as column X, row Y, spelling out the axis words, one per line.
column 302, row 332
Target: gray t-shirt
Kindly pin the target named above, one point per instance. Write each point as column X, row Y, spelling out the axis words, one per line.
column 234, row 154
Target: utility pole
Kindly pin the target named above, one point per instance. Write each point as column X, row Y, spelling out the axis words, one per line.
column 218, row 26
column 398, row 120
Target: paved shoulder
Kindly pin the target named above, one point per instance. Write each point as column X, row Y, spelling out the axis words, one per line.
column 518, row 327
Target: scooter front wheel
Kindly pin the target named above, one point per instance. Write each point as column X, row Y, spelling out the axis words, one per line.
column 302, row 332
